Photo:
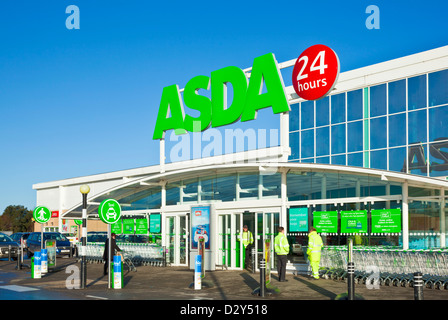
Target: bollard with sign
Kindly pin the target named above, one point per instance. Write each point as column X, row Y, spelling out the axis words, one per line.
column 44, row 261
column 117, row 273
column 198, row 273
column 36, row 266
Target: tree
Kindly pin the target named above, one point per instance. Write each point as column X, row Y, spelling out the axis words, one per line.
column 16, row 219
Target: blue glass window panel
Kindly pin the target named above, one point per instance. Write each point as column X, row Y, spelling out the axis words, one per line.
column 438, row 158
column 397, row 130
column 397, row 159
column 354, row 105
column 325, row 160
column 438, row 88
column 355, row 159
column 307, row 114
column 417, row 92
column 341, row 160
column 397, row 96
column 354, row 136
column 378, row 133
column 294, row 143
column 307, row 143
column 323, row 112
column 338, row 139
column 378, row 159
column 417, row 155
column 378, row 100
column 417, row 126
column 294, row 117
column 438, row 118
column 308, row 160
column 322, row 141
column 338, row 108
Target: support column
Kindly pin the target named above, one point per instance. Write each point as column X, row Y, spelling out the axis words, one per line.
column 442, row 219
column 405, row 216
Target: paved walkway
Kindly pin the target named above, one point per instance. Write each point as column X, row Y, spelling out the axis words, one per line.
column 174, row 283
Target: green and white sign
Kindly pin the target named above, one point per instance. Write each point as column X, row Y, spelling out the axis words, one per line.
column 354, row 221
column 141, row 226
column 109, row 211
column 116, row 228
column 42, row 214
column 386, row 221
column 128, row 226
column 298, row 220
column 325, row 221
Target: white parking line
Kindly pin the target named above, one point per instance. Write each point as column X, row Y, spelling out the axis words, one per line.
column 18, row 288
column 95, row 297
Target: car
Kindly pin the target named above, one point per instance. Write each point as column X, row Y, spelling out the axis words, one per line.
column 18, row 236
column 63, row 245
column 96, row 236
column 5, row 243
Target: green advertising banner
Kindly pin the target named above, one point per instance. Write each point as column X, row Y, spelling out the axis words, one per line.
column 128, row 226
column 325, row 221
column 154, row 223
column 298, row 220
column 386, row 221
column 141, row 226
column 117, row 227
column 354, row 221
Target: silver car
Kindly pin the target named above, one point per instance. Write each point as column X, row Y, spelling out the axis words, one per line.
column 5, row 244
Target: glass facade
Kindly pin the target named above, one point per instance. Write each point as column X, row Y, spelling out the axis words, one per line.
column 399, row 126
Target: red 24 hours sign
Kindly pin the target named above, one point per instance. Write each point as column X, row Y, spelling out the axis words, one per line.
column 315, row 72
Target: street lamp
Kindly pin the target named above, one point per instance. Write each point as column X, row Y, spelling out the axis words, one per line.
column 84, row 189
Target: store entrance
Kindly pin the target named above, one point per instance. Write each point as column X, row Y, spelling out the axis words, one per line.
column 231, row 253
column 176, row 241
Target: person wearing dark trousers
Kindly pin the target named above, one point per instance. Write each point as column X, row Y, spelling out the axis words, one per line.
column 281, row 247
column 115, row 250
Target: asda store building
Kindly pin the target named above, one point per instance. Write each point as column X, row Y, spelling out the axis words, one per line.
column 368, row 159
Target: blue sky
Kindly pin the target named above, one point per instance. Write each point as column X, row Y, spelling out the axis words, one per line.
column 82, row 102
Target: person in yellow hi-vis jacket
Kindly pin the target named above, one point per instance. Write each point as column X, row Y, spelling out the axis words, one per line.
column 314, row 250
column 281, row 248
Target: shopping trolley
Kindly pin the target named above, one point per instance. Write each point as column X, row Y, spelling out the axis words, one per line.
column 127, row 261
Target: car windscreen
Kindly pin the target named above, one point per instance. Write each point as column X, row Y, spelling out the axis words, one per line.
column 55, row 236
column 5, row 238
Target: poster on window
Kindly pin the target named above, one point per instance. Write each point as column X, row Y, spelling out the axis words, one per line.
column 298, row 219
column 386, row 221
column 354, row 221
column 325, row 221
column 200, row 226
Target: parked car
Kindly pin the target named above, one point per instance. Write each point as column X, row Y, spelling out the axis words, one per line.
column 5, row 243
column 63, row 246
column 21, row 235
column 96, row 236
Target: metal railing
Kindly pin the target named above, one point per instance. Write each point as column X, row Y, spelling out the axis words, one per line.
column 146, row 254
column 387, row 265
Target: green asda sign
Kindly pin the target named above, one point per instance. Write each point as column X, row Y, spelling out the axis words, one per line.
column 354, row 221
column 247, row 98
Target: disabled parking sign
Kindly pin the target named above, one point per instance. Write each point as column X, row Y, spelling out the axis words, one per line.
column 109, row 211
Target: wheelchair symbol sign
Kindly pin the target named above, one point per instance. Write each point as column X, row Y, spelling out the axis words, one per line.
column 109, row 211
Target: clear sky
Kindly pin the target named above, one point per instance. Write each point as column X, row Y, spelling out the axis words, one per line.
column 76, row 102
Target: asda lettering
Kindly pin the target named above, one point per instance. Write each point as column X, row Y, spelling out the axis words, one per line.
column 248, row 98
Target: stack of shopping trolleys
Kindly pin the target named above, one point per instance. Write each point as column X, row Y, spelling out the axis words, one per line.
column 390, row 266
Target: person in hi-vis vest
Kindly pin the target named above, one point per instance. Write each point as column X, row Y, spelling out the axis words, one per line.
column 314, row 250
column 281, row 248
column 248, row 240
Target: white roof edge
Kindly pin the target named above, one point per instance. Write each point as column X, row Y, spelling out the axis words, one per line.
column 264, row 154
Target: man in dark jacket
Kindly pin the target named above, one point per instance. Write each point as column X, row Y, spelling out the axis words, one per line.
column 115, row 250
